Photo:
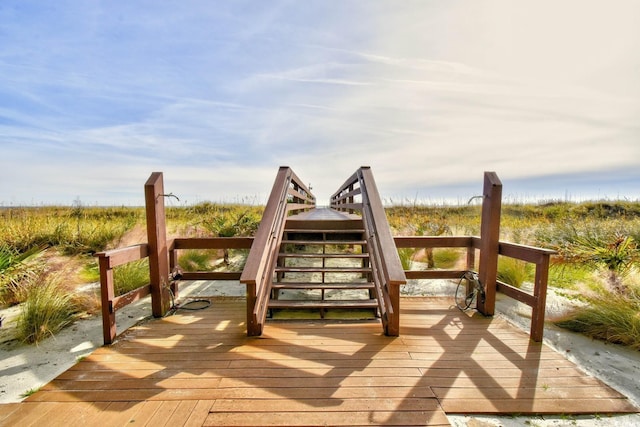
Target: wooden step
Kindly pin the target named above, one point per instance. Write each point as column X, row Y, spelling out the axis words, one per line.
column 324, row 242
column 320, row 256
column 345, row 225
column 312, row 285
column 323, row 270
column 302, row 304
column 324, row 231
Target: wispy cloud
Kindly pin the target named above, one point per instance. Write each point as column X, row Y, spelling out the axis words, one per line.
column 94, row 97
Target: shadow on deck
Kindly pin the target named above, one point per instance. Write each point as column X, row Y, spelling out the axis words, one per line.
column 199, row 368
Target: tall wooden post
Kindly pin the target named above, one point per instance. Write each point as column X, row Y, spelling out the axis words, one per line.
column 157, row 240
column 490, row 237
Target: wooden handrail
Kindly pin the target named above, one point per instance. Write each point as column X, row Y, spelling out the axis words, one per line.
column 289, row 194
column 387, row 272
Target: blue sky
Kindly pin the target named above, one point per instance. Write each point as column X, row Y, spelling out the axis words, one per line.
column 96, row 95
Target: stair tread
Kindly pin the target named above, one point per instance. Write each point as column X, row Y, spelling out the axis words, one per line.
column 364, row 303
column 312, row 285
column 324, row 230
column 330, row 255
column 324, row 242
column 323, row 269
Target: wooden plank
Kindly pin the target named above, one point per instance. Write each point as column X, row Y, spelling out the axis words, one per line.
column 164, row 412
column 199, row 413
column 432, row 241
column 543, row 391
column 176, row 370
column 324, row 405
column 404, row 418
column 121, row 256
column 540, row 406
column 29, row 413
column 146, row 413
column 77, row 413
column 213, row 243
column 7, row 409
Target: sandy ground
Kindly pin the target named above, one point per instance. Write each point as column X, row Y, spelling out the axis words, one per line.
column 26, row 368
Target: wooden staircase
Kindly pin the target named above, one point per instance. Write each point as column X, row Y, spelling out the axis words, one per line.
column 323, row 265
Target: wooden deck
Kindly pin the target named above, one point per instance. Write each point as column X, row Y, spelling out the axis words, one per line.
column 199, row 368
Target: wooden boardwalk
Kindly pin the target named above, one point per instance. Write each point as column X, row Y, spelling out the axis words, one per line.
column 198, row 368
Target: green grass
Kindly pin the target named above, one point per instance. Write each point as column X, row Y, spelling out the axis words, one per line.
column 16, row 270
column 514, row 272
column 446, row 257
column 406, row 257
column 47, row 309
column 591, row 238
column 609, row 317
column 130, row 276
column 197, row 260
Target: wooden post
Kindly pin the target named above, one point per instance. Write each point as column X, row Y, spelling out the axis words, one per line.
column 540, row 292
column 490, row 238
column 157, row 238
column 107, row 295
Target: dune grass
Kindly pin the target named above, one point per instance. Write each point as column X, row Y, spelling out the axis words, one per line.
column 48, row 307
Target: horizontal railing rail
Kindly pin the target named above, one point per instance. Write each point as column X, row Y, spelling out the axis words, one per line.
column 288, row 194
column 204, row 243
column 360, row 193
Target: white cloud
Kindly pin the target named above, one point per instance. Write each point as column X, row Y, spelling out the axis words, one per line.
column 428, row 94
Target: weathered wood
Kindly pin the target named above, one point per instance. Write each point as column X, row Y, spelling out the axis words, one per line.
column 132, row 296
column 540, row 292
column 157, row 242
column 434, row 274
column 432, row 241
column 302, row 304
column 121, row 256
column 212, row 243
column 490, row 235
column 263, row 254
column 199, row 368
column 107, row 293
column 211, row 275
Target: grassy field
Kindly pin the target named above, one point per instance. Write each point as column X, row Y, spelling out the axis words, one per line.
column 597, row 261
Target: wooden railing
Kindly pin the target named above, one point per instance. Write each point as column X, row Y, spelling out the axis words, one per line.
column 109, row 260
column 360, row 193
column 538, row 256
column 186, row 243
column 289, row 194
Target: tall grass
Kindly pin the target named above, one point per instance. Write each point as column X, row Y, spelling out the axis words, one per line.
column 71, row 230
column 130, row 276
column 16, row 271
column 47, row 309
column 196, row 260
column 406, row 257
column 610, row 317
column 513, row 271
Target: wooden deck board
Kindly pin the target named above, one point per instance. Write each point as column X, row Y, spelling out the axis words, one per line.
column 199, row 368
